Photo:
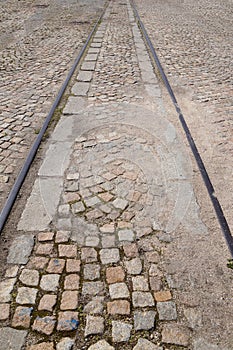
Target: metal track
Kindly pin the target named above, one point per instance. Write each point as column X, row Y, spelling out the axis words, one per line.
column 209, row 186
column 27, row 164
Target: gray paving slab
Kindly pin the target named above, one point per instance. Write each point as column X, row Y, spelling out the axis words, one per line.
column 74, row 105
column 20, row 249
column 12, row 339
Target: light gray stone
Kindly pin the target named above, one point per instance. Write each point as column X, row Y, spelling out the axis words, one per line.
column 140, row 283
column 120, row 203
column 94, row 325
column 56, row 159
column 80, row 88
column 202, row 344
column 89, row 66
column 11, row 339
column 109, row 256
column 50, row 282
column 65, row 344
column 144, row 344
column 91, row 57
column 142, row 299
column 92, row 288
column 95, row 306
column 20, row 250
column 74, row 105
column 167, row 311
column 100, row 345
column 126, row 235
column 118, row 291
column 134, row 266
column 26, row 295
column 85, row 76
column 91, row 272
column 121, row 331
column 78, row 208
column 144, row 320
column 6, row 288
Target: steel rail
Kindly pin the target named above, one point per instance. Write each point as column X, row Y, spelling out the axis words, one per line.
column 209, row 186
column 31, row 155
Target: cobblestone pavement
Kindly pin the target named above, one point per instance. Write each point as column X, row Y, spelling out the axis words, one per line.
column 39, row 42
column 88, row 268
column 194, row 42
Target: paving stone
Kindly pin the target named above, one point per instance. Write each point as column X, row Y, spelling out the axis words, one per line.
column 47, row 302
column 72, row 282
column 94, row 215
column 62, row 236
column 37, row 262
column 22, row 317
column 109, row 256
column 91, row 272
column 65, row 344
column 121, row 331
column 92, row 288
column 29, row 277
column 12, row 271
column 155, row 283
column 175, row 334
column 92, row 201
column 4, row 311
column 126, row 235
column 108, row 228
column 118, row 291
column 68, row 251
column 50, row 282
column 142, row 299
column 101, row 345
column 44, row 249
column 45, row 236
column 134, row 266
column 89, row 66
column 6, row 288
column 78, row 208
column 92, row 241
column 154, row 271
column 41, row 346
column 20, row 250
column 26, row 295
column 144, row 320
column 88, row 255
column 13, row 338
column 163, row 296
column 44, row 325
column 130, row 250
column 140, row 283
column 120, row 203
column 80, row 88
column 115, row 274
column 84, row 76
column 95, row 306
column 94, row 325
column 144, row 344
column 118, row 307
column 108, row 241
column 56, row 265
column 67, row 321
column 64, row 210
column 69, row 300
column 73, row 265
column 167, row 310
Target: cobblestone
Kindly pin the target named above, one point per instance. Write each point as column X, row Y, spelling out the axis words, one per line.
column 26, row 295
column 4, row 311
column 50, row 282
column 119, row 307
column 134, row 266
column 44, row 324
column 142, row 299
column 118, row 291
column 6, row 288
column 29, row 277
column 167, row 310
column 115, row 274
column 121, row 331
column 67, row 321
column 94, row 325
column 175, row 334
column 65, row 344
column 41, row 346
column 144, row 320
column 47, row 302
column 109, row 256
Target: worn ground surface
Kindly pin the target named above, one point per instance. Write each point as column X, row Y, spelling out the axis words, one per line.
column 118, row 245
column 38, row 44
